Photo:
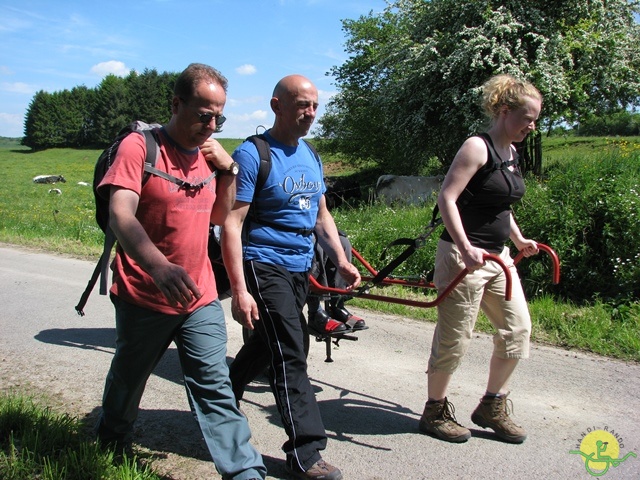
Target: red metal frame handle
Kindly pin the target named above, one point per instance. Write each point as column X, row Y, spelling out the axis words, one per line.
column 425, row 284
column 554, row 261
column 413, row 303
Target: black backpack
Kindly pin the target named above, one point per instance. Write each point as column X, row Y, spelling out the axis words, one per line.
column 104, row 162
column 215, row 252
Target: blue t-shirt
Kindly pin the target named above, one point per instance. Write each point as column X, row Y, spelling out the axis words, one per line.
column 290, row 198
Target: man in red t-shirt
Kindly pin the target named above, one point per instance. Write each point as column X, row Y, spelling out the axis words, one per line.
column 163, row 285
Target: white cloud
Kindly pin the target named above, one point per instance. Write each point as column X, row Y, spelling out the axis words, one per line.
column 324, row 96
column 4, row 70
column 111, row 67
column 14, row 24
column 241, row 125
column 236, row 102
column 331, row 53
column 256, row 115
column 246, row 69
column 17, row 87
column 243, row 120
column 11, row 124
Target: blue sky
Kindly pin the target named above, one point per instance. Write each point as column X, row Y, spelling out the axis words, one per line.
column 56, row 45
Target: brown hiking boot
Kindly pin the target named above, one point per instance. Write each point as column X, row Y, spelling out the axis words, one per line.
column 493, row 412
column 320, row 470
column 438, row 420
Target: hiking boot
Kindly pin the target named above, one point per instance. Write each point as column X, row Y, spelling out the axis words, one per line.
column 322, row 323
column 493, row 412
column 438, row 420
column 320, row 470
column 349, row 319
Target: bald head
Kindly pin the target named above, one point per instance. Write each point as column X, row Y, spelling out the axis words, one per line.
column 291, row 85
column 295, row 102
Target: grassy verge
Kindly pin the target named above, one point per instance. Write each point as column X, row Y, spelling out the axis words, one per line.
column 36, row 442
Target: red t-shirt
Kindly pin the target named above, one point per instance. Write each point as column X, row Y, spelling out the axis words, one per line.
column 176, row 220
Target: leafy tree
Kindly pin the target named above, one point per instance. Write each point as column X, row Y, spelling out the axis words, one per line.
column 40, row 128
column 622, row 123
column 119, row 101
column 151, row 95
column 72, row 115
column 59, row 119
column 112, row 110
column 410, row 90
column 355, row 121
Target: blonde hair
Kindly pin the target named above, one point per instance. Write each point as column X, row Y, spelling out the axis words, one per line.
column 507, row 90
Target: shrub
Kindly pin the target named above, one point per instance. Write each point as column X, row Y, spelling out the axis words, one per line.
column 588, row 210
column 623, row 123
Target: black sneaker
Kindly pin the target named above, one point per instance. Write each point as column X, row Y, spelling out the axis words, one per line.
column 349, row 319
column 320, row 470
column 322, row 323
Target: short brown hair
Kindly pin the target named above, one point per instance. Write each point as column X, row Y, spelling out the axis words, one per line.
column 195, row 73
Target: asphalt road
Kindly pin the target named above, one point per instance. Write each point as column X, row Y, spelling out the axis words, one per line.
column 371, row 396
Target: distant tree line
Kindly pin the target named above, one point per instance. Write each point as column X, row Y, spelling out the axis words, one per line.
column 624, row 124
column 91, row 117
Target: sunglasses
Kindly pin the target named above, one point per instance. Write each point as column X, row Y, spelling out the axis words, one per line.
column 205, row 118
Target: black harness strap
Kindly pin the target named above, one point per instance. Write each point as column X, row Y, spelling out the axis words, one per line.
column 413, row 245
column 391, row 266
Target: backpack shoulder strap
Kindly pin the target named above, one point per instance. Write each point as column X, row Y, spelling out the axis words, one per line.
column 153, row 151
column 264, row 153
column 313, row 150
column 498, row 163
column 101, row 270
column 152, row 142
column 482, row 176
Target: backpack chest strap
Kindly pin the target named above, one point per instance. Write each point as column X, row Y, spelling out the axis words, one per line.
column 183, row 184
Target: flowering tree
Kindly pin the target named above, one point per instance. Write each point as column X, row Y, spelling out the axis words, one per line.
column 409, row 91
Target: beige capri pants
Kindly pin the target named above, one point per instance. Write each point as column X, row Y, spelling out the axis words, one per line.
column 483, row 288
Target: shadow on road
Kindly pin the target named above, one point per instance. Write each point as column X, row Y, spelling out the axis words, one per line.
column 103, row 340
column 348, row 415
column 164, row 432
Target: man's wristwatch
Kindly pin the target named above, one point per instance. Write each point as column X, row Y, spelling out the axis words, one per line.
column 232, row 170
